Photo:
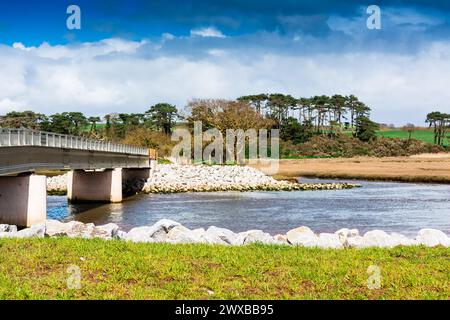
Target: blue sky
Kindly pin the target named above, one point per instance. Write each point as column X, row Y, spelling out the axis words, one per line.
column 34, row 22
column 131, row 54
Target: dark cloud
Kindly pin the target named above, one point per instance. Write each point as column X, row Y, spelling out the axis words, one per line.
column 264, row 24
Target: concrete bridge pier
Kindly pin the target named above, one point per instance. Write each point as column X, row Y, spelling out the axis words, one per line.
column 95, row 186
column 23, row 200
column 110, row 185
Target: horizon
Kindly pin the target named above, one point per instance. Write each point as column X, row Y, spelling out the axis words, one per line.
column 130, row 55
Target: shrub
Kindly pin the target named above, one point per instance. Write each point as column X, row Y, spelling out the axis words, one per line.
column 148, row 138
column 345, row 146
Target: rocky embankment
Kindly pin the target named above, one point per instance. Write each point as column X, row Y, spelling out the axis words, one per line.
column 180, row 178
column 169, row 231
column 57, row 185
column 174, row 178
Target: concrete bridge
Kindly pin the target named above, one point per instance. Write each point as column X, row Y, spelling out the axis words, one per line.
column 97, row 171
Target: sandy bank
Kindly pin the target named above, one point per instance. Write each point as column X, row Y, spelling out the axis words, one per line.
column 422, row 168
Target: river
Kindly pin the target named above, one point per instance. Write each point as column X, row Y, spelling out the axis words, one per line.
column 389, row 206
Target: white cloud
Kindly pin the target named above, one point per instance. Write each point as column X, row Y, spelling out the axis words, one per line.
column 168, row 36
column 207, row 32
column 127, row 76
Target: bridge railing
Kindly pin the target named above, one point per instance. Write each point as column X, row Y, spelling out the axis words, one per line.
column 26, row 137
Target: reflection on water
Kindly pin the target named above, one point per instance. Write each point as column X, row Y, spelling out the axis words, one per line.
column 393, row 207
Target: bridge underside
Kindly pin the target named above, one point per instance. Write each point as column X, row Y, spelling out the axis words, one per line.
column 16, row 160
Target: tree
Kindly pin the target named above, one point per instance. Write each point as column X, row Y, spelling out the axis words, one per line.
column 257, row 101
column 163, row 116
column 93, row 121
column 67, row 123
column 25, row 119
column 409, row 128
column 305, row 109
column 111, row 127
column 361, row 109
column 226, row 114
column 321, row 105
column 365, row 128
column 338, row 105
column 279, row 105
column 351, row 104
column 440, row 121
column 292, row 130
column 78, row 121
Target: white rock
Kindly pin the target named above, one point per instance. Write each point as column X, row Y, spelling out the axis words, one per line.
column 432, row 238
column 8, row 228
column 36, row 231
column 5, row 235
column 171, row 231
column 240, row 238
column 110, row 229
column 378, row 238
column 329, row 241
column 57, row 183
column 166, row 224
column 199, row 232
column 171, row 178
column 281, row 239
column 56, row 228
column 303, row 236
column 216, row 235
column 402, row 240
column 162, row 228
column 140, row 234
column 355, row 242
column 155, row 233
column 254, row 236
column 345, row 233
column 76, row 229
column 180, row 234
column 121, row 235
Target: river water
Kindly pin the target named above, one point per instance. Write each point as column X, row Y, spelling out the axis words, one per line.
column 389, row 206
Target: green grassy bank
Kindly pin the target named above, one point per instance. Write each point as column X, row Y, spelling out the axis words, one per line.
column 38, row 269
column 423, row 135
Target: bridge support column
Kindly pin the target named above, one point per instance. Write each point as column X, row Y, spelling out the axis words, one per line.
column 23, row 200
column 95, row 186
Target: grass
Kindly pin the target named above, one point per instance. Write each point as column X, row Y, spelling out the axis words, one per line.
column 164, row 161
column 423, row 135
column 38, row 269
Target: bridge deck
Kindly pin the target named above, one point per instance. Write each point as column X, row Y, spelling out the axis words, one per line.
column 23, row 150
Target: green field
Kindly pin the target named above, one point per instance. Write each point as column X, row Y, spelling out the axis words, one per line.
column 424, row 135
column 41, row 268
column 420, row 134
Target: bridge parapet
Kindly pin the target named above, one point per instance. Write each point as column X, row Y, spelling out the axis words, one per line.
column 26, row 137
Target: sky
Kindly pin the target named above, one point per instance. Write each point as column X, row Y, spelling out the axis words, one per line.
column 129, row 55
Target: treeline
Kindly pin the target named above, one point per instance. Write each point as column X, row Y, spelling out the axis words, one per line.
column 299, row 119
column 302, row 122
column 113, row 126
column 319, row 110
